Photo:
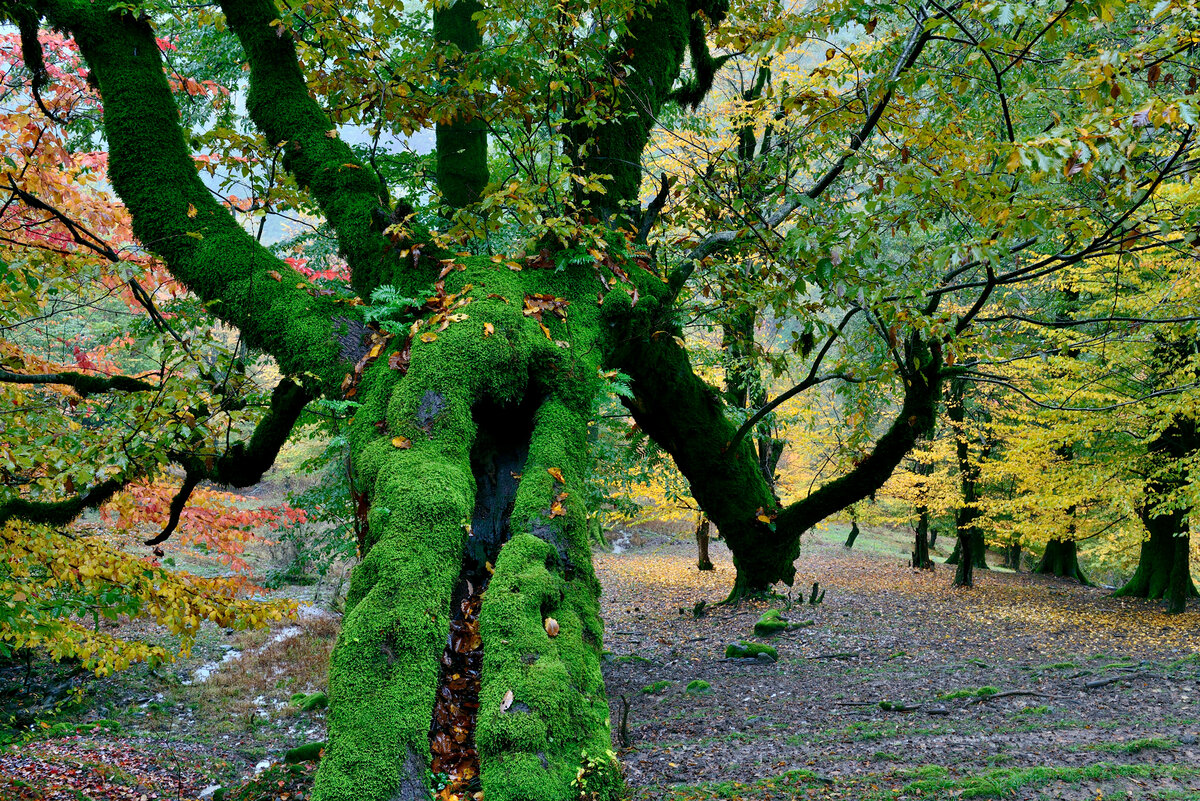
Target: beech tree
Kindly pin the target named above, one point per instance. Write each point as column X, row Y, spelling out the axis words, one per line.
column 905, row 187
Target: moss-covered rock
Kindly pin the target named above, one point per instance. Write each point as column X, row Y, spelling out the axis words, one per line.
column 698, row 687
column 750, row 650
column 656, row 688
column 772, row 622
column 312, row 702
column 309, row 752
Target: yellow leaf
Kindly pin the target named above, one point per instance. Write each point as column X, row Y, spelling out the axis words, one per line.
column 403, row 443
column 428, row 336
column 191, row 212
column 557, row 474
column 488, row 329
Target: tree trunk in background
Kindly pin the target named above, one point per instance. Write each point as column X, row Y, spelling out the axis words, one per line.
column 920, row 557
column 1062, row 559
column 853, row 535
column 703, row 527
column 964, row 573
column 970, row 547
column 1164, row 569
column 1012, row 557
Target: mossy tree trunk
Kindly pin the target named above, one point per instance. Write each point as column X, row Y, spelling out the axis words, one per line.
column 970, row 549
column 1164, row 564
column 1061, row 559
column 497, row 426
column 920, row 556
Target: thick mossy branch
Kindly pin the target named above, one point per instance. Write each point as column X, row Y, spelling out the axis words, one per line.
column 83, row 383
column 462, row 168
column 704, row 66
column 350, row 194
column 59, row 513
column 686, row 417
column 244, row 463
column 647, row 61
column 175, row 216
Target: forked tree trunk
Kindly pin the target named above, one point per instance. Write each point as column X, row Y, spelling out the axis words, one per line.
column 473, row 463
column 1062, row 559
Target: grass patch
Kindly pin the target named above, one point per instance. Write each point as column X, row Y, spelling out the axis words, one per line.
column 656, row 688
column 1040, row 709
column 1004, row 782
column 1136, row 746
column 982, row 692
column 789, row 785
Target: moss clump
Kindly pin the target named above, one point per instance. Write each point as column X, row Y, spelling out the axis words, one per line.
column 309, row 752
column 698, row 687
column 309, row 703
column 772, row 623
column 656, row 687
column 750, row 650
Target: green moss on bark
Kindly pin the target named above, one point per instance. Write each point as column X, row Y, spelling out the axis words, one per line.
column 461, row 145
column 384, row 670
column 176, row 217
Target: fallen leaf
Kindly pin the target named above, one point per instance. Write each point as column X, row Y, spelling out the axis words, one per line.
column 551, row 627
column 403, row 443
column 507, row 702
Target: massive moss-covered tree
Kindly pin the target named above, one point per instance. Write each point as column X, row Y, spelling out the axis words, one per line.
column 484, row 321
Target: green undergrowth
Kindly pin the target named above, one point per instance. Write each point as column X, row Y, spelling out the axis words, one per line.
column 982, row 692
column 1135, row 746
column 1005, row 782
column 793, row 784
column 935, row 782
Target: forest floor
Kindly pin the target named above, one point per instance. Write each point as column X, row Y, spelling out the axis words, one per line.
column 901, row 688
